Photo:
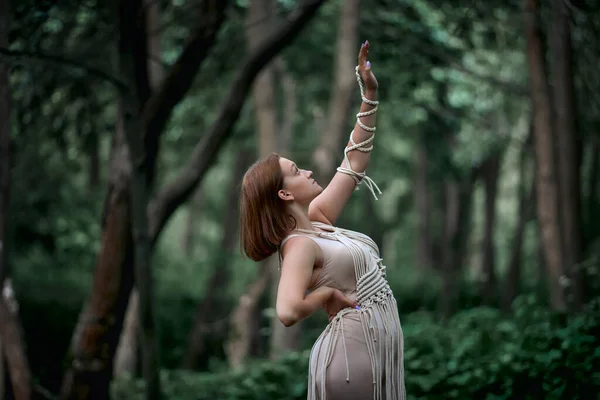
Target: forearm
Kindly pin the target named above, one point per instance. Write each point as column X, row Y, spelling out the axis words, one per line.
column 306, row 307
column 360, row 160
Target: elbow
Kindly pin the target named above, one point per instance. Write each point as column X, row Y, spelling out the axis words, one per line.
column 287, row 317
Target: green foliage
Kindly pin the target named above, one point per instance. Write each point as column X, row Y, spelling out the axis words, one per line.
column 478, row 353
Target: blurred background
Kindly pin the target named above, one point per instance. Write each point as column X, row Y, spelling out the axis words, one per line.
column 126, row 127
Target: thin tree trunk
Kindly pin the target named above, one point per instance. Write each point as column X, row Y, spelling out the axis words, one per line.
column 215, row 305
column 97, row 333
column 10, row 327
column 139, row 195
column 193, row 213
column 525, row 210
column 126, row 356
column 457, row 225
column 286, row 130
column 3, row 386
column 568, row 143
column 546, row 182
column 423, row 207
column 263, row 91
column 592, row 200
column 490, row 173
column 238, row 344
column 264, row 94
column 93, row 160
column 340, row 100
column 100, row 322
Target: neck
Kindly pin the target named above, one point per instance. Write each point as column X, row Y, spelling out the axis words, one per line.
column 301, row 215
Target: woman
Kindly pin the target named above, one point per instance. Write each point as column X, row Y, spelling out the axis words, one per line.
column 359, row 355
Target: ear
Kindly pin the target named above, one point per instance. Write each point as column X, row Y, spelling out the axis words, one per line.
column 285, row 195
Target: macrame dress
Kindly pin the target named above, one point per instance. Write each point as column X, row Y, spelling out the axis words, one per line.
column 359, row 355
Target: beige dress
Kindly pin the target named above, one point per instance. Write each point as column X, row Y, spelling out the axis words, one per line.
column 359, row 355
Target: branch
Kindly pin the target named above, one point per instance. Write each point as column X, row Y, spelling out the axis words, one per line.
column 160, row 105
column 204, row 153
column 12, row 55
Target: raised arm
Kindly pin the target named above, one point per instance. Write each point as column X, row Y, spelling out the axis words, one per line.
column 328, row 205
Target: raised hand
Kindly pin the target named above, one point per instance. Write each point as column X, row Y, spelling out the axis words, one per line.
column 364, row 68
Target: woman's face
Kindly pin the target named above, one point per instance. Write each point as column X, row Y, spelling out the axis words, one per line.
column 298, row 185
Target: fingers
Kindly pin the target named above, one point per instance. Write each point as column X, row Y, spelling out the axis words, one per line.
column 363, row 55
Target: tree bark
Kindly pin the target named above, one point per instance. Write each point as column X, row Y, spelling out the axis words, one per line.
column 139, row 197
column 264, row 95
column 193, row 213
column 97, row 332
column 423, row 207
column 238, row 344
column 340, row 100
column 490, row 172
column 98, row 329
column 127, row 351
column 13, row 346
column 215, row 305
column 457, row 225
column 546, row 182
column 263, row 90
column 569, row 144
column 286, row 130
column 5, row 142
column 167, row 201
column 126, row 356
column 593, row 201
column 525, row 210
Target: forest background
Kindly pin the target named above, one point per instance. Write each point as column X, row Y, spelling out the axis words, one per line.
column 125, row 129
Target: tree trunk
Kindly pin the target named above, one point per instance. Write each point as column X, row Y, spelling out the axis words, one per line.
column 457, row 225
column 126, row 355
column 97, row 333
column 13, row 347
column 525, row 212
column 239, row 341
column 568, row 143
column 193, row 214
column 100, row 322
column 546, row 160
column 423, row 208
column 93, row 153
column 139, row 195
column 340, row 100
column 286, row 130
column 282, row 338
column 263, row 91
column 215, row 305
column 592, row 201
column 490, row 173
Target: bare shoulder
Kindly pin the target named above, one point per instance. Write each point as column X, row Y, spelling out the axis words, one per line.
column 299, row 245
column 301, row 253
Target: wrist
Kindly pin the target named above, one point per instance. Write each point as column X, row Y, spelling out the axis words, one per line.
column 371, row 94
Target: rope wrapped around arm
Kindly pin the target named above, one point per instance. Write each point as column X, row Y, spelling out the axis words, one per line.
column 365, row 146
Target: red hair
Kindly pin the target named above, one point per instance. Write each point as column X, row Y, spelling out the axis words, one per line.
column 264, row 221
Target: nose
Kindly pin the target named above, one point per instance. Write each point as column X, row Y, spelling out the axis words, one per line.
column 309, row 173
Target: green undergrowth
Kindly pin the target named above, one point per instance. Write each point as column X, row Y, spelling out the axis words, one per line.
column 478, row 353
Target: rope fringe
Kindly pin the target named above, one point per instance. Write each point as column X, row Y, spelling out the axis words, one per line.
column 376, row 300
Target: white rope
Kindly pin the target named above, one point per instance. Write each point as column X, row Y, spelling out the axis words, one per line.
column 376, row 300
column 359, row 177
